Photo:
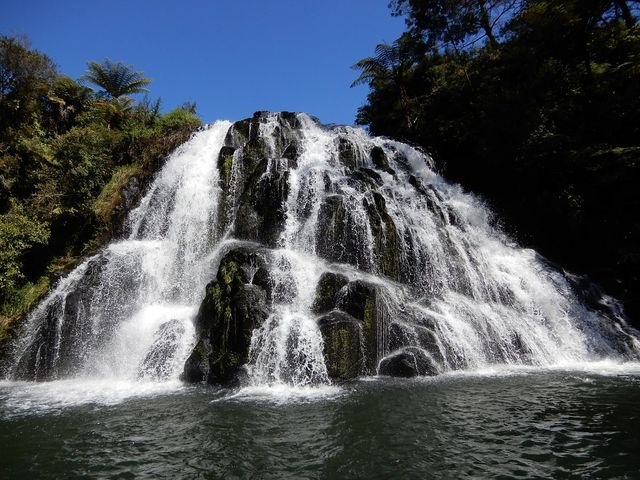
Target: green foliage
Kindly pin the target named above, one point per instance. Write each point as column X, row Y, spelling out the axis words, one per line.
column 65, row 155
column 25, row 78
column 18, row 233
column 179, row 118
column 110, row 196
column 116, row 78
column 19, row 302
column 543, row 120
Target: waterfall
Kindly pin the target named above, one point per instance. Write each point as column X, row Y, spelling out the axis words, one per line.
column 127, row 311
column 373, row 263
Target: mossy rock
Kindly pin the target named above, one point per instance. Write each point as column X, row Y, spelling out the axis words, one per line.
column 255, row 149
column 342, row 345
column 360, row 300
column 261, row 211
column 386, row 239
column 327, row 290
column 231, row 310
column 225, row 166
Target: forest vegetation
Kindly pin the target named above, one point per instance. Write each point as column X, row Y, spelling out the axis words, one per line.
column 67, row 149
column 534, row 105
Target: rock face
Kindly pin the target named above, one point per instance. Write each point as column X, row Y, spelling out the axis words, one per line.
column 51, row 353
column 254, row 176
column 344, row 345
column 232, row 308
column 408, row 362
column 329, row 285
column 349, row 325
column 255, row 166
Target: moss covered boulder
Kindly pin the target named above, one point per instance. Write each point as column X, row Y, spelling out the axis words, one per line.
column 360, row 300
column 232, row 308
column 352, row 328
column 327, row 290
column 256, row 196
column 343, row 345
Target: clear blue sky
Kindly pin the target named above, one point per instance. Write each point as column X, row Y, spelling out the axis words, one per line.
column 230, row 57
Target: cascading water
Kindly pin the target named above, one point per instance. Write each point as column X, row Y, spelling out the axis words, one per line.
column 127, row 311
column 368, row 261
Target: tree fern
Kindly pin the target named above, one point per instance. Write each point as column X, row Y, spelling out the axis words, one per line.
column 116, row 78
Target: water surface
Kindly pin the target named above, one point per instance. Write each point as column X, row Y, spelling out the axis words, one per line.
column 553, row 424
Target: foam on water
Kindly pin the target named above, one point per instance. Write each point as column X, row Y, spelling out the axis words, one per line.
column 21, row 398
column 281, row 393
column 604, row 368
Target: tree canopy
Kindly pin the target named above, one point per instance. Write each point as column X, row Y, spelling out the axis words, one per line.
column 66, row 152
column 535, row 105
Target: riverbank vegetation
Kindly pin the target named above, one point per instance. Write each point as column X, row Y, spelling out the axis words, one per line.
column 67, row 149
column 536, row 106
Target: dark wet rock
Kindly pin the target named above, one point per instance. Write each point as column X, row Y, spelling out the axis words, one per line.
column 291, row 153
column 357, row 299
column 225, row 166
column 347, row 153
column 328, row 186
column 338, row 237
column 238, row 133
column 435, row 202
column 130, row 196
column 262, row 279
column 158, row 362
column 37, row 362
column 327, row 290
column 373, row 175
column 379, row 158
column 408, row 362
column 386, row 239
column 417, row 184
column 231, row 310
column 255, row 149
column 360, row 300
column 62, row 337
column 364, row 179
column 262, row 186
column 285, row 289
column 343, row 345
column 262, row 211
column 401, row 335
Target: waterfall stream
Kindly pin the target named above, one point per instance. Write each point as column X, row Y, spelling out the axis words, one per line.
column 451, row 291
